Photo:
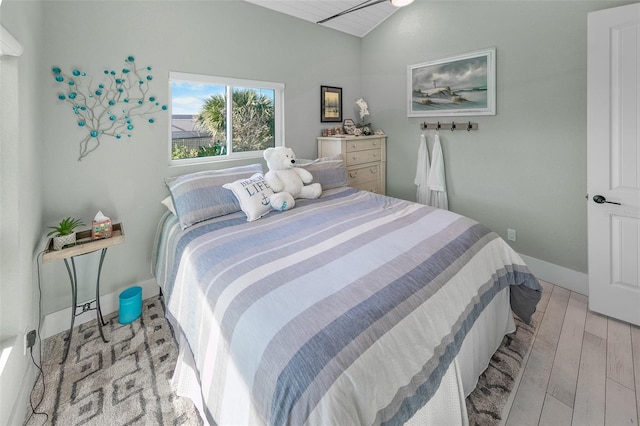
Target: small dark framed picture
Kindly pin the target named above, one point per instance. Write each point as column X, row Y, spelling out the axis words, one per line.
column 330, row 104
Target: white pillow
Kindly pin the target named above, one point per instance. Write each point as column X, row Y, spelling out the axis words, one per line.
column 168, row 203
column 253, row 195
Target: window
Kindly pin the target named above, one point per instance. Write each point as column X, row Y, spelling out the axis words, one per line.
column 218, row 118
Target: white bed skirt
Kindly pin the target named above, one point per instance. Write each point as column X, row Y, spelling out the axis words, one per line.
column 447, row 406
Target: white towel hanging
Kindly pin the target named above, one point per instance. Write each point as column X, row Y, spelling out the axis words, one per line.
column 423, row 193
column 437, row 183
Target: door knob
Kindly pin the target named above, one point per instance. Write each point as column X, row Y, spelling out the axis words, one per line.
column 600, row 199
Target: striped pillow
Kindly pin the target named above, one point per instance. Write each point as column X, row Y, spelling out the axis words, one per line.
column 200, row 196
column 329, row 172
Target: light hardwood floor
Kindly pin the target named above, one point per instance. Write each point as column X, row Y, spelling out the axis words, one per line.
column 583, row 368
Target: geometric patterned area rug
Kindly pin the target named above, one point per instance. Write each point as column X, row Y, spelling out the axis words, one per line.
column 124, row 382
column 487, row 401
column 128, row 380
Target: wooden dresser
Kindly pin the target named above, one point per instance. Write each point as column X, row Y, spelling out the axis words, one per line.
column 365, row 158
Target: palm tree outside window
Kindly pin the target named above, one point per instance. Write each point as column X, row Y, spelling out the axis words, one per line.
column 214, row 118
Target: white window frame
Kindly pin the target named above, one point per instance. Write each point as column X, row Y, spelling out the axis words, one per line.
column 229, row 82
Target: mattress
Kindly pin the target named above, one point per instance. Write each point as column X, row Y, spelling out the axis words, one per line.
column 354, row 308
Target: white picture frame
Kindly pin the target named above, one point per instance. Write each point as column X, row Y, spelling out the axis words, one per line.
column 459, row 85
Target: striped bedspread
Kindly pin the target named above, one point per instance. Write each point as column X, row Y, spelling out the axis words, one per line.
column 346, row 310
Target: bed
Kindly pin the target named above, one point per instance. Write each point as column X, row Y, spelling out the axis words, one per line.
column 351, row 309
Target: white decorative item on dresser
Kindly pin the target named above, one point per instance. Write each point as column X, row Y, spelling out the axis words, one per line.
column 365, row 158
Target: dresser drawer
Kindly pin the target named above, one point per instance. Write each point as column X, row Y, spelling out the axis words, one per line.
column 359, row 157
column 363, row 144
column 362, row 174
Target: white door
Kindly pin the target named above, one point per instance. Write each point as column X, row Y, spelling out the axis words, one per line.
column 613, row 162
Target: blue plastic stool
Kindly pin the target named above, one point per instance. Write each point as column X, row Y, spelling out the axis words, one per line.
column 130, row 305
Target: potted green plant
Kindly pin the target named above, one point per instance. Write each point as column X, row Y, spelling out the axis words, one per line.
column 64, row 234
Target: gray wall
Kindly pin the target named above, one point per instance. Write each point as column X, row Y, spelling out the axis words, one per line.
column 124, row 178
column 525, row 168
column 20, row 207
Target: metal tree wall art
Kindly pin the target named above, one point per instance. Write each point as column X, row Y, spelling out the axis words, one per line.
column 108, row 108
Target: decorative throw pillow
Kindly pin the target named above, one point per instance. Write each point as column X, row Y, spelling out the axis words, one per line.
column 329, row 172
column 253, row 194
column 200, row 196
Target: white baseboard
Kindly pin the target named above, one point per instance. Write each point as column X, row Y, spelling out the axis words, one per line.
column 558, row 275
column 59, row 321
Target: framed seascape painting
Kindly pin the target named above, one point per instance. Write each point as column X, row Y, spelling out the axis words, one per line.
column 330, row 104
column 454, row 86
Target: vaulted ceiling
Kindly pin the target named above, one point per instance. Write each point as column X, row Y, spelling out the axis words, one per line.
column 357, row 23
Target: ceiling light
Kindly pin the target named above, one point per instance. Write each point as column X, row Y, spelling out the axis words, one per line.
column 366, row 3
column 401, row 3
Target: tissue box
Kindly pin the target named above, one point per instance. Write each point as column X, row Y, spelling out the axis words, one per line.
column 101, row 229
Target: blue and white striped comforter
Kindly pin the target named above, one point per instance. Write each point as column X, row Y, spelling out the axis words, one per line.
column 344, row 310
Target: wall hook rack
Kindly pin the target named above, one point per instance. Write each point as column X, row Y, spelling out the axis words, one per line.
column 453, row 126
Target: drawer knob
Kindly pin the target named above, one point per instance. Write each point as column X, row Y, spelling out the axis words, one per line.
column 375, row 154
column 353, row 174
column 354, row 145
column 373, row 170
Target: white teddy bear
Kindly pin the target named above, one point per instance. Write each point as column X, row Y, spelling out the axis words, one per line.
column 286, row 181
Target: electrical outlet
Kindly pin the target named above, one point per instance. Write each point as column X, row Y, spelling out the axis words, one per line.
column 511, row 234
column 29, row 341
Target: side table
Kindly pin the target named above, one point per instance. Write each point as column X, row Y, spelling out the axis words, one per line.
column 84, row 245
